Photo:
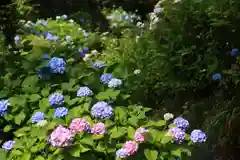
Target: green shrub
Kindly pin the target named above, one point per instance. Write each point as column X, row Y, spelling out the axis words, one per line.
column 57, row 106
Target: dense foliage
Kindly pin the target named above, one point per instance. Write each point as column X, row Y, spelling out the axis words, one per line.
column 181, row 58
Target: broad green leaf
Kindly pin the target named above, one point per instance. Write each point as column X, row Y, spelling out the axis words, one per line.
column 159, row 123
column 150, row 154
column 18, row 100
column 131, row 132
column 44, row 105
column 7, row 128
column 118, row 132
column 108, row 94
column 87, row 140
column 166, row 139
column 176, row 152
column 75, row 150
column 34, row 98
column 19, row 118
column 45, row 92
column 121, row 113
column 16, row 152
column 133, row 121
column 3, row 155
column 39, row 158
column 22, row 131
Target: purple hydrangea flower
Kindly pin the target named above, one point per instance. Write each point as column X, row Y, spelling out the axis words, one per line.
column 84, row 92
column 198, row 136
column 85, row 49
column 102, row 110
column 121, row 153
column 7, row 146
column 216, row 76
column 49, row 36
column 56, row 99
column 82, row 54
column 60, row 112
column 234, row 52
column 38, row 116
column 55, row 38
column 181, row 123
column 4, row 106
column 57, row 65
column 105, row 78
column 178, row 134
column 114, row 83
column 99, row 64
column 45, row 55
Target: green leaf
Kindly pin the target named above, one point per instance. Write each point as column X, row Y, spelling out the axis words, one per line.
column 159, row 123
column 44, row 104
column 118, row 132
column 34, row 98
column 176, row 152
column 150, row 154
column 3, row 155
column 133, row 121
column 121, row 113
column 108, row 94
column 131, row 132
column 30, row 81
column 7, row 128
column 45, row 92
column 22, row 131
column 166, row 139
column 39, row 158
column 16, row 152
column 87, row 140
column 18, row 100
column 19, row 118
column 75, row 150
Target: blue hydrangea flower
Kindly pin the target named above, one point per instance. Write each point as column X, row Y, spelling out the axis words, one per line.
column 99, row 64
column 17, row 38
column 45, row 55
column 81, row 19
column 181, row 123
column 4, row 106
column 55, row 38
column 234, row 52
column 44, row 73
column 84, row 92
column 82, row 54
column 44, row 23
column 105, row 78
column 85, row 35
column 178, row 134
column 56, row 99
column 85, row 49
column 121, row 153
column 38, row 116
column 60, row 112
column 7, row 146
column 57, row 65
column 102, row 110
column 216, row 76
column 126, row 17
column 64, row 16
column 49, row 36
column 114, row 83
column 198, row 136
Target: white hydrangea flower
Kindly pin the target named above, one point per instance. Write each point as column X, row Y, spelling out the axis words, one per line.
column 42, row 123
column 137, row 71
column 168, row 116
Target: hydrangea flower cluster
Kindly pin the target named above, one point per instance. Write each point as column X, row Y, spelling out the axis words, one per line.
column 178, row 134
column 84, row 92
column 105, row 78
column 98, row 129
column 114, row 83
column 42, row 123
column 168, row 116
column 99, row 65
column 79, row 125
column 61, row 137
column 234, row 52
column 216, row 76
column 56, row 99
column 7, row 146
column 141, row 135
column 181, row 123
column 129, row 148
column 57, row 65
column 102, row 110
column 4, row 106
column 60, row 112
column 38, row 116
column 197, row 136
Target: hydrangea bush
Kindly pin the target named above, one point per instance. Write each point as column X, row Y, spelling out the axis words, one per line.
column 57, row 106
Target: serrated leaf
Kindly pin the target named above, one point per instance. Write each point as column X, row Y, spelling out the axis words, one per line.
column 19, row 118
column 88, row 141
column 118, row 132
column 34, row 98
column 131, row 132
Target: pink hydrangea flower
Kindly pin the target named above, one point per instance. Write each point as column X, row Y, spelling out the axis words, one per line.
column 141, row 135
column 130, row 147
column 79, row 125
column 61, row 137
column 99, row 129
